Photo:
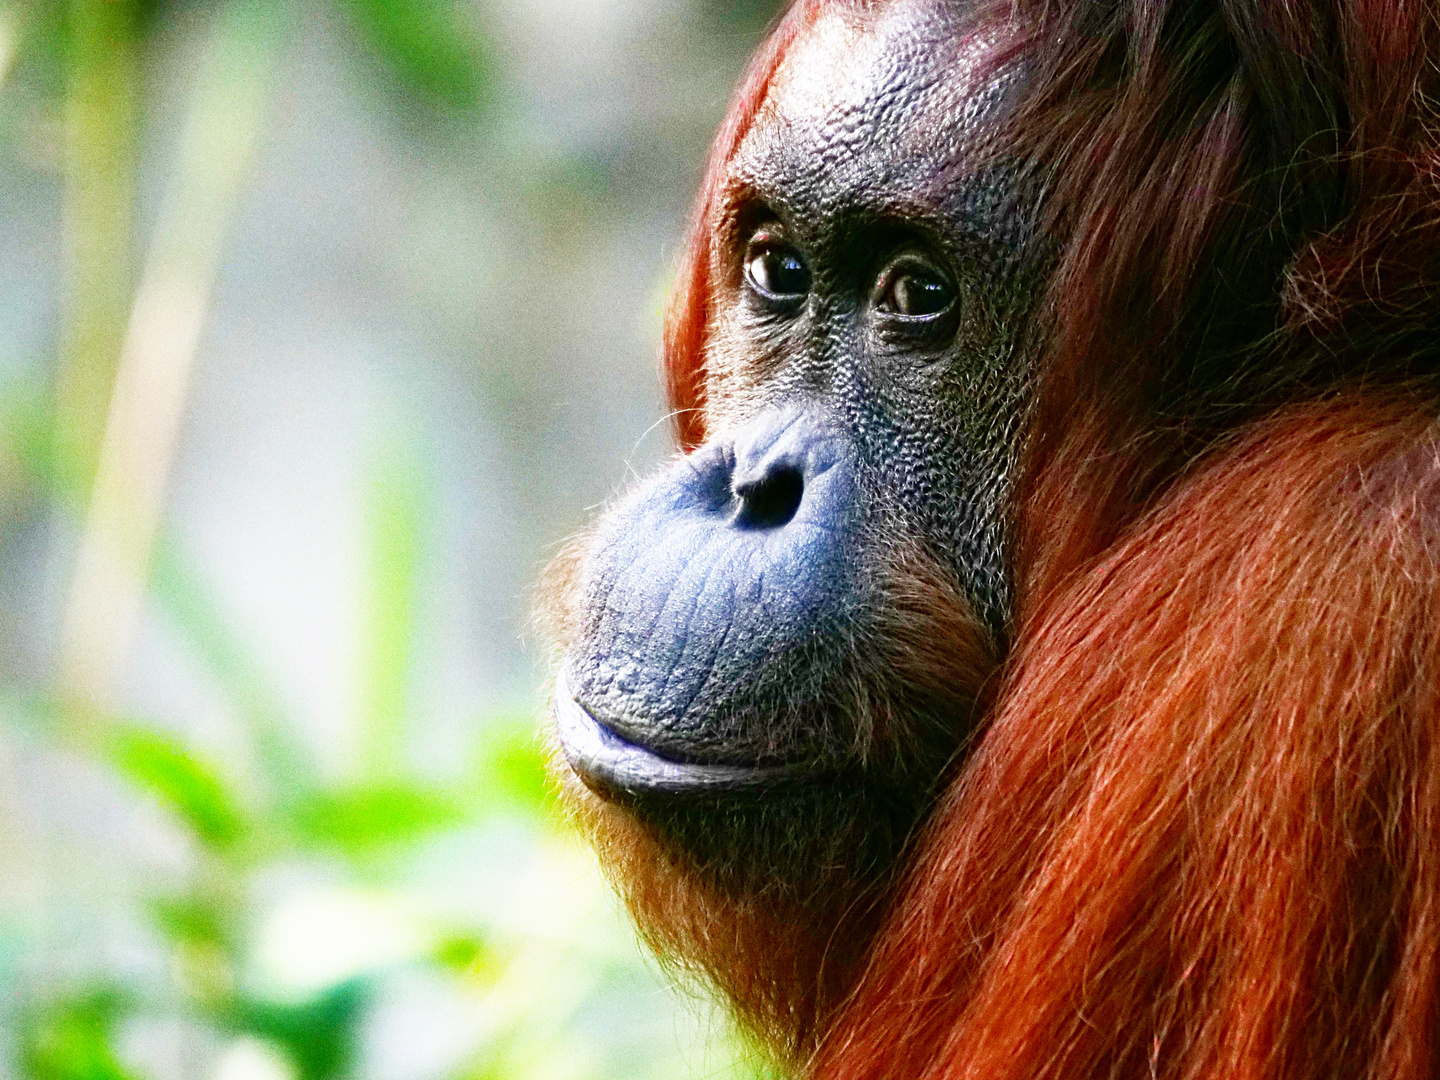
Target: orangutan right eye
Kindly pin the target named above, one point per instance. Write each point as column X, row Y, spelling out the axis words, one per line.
column 777, row 271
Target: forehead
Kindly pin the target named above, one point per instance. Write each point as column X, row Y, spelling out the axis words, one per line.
column 886, row 108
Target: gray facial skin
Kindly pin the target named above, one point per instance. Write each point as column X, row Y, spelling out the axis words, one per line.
column 738, row 626
column 870, row 158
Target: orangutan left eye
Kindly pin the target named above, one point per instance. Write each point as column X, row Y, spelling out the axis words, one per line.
column 915, row 292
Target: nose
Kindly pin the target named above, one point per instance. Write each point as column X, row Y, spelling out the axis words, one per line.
column 767, row 497
column 770, row 466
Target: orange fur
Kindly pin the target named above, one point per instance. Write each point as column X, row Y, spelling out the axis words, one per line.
column 1197, row 834
column 1202, row 836
column 781, row 932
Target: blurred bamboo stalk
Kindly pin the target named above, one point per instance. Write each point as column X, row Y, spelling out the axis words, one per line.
column 12, row 19
column 395, row 511
column 147, row 402
column 99, row 136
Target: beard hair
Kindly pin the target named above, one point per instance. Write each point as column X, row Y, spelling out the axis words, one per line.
column 762, row 893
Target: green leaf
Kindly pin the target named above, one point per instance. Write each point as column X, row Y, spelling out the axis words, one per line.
column 189, row 787
column 371, row 819
column 463, row 953
column 191, row 920
column 186, row 598
column 72, row 1040
column 319, row 1035
column 427, row 48
column 396, row 508
column 25, row 436
column 513, row 771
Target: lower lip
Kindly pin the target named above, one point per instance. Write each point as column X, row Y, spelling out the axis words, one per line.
column 610, row 763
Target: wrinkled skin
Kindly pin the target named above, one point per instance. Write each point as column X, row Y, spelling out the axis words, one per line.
column 773, row 650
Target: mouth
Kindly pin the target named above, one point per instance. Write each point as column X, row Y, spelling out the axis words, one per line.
column 611, row 764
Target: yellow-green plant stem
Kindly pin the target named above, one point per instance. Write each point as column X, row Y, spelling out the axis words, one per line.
column 157, row 352
column 100, row 105
column 395, row 511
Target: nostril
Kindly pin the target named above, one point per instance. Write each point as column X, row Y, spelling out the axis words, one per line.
column 771, row 501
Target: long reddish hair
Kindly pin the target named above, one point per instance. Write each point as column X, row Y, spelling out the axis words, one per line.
column 1200, row 835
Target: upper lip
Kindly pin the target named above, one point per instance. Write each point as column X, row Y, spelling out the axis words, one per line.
column 603, row 758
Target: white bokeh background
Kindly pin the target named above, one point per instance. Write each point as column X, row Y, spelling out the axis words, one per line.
column 478, row 297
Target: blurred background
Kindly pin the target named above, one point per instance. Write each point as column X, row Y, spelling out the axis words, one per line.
column 323, row 323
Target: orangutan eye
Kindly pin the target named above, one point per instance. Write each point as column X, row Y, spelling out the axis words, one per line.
column 916, row 292
column 777, row 272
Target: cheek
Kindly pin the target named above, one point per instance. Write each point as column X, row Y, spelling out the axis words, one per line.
column 945, row 466
column 750, row 364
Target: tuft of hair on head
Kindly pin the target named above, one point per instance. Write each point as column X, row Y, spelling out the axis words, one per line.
column 1241, row 198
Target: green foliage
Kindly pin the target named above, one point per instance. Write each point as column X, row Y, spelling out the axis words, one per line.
column 463, row 954
column 396, row 502
column 73, row 1039
column 25, row 433
column 512, row 774
column 195, row 921
column 180, row 780
column 182, row 595
column 374, row 819
column 427, row 48
column 318, row 1035
column 279, row 808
